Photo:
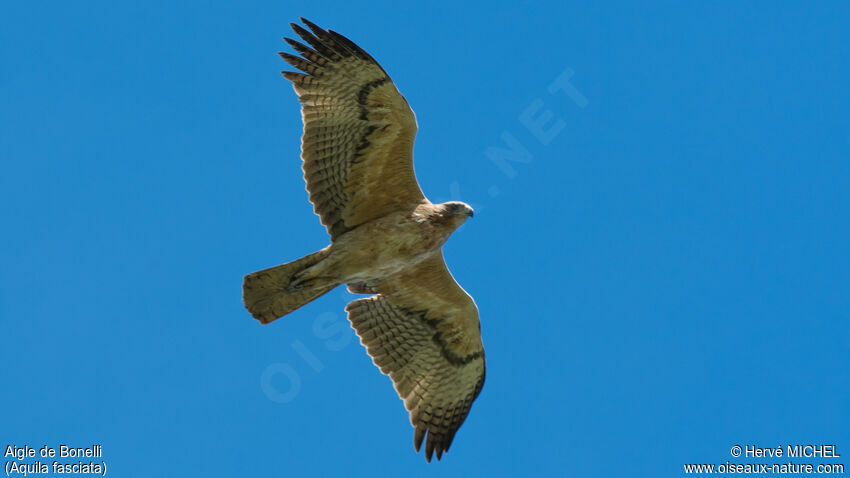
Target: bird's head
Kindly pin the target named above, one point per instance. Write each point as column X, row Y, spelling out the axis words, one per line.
column 457, row 212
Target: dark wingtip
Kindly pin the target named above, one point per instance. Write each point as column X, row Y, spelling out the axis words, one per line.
column 292, row 76
column 310, row 24
column 429, row 447
column 291, row 59
column 418, row 435
column 304, row 34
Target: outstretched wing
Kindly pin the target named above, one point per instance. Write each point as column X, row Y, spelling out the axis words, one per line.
column 358, row 137
column 423, row 331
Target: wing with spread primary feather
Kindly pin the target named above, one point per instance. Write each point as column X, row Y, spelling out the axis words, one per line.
column 357, row 147
column 423, row 331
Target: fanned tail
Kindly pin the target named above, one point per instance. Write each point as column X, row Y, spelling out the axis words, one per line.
column 271, row 293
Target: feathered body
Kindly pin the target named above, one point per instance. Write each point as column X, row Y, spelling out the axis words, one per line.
column 387, row 245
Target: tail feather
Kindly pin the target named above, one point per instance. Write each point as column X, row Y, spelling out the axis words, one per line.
column 267, row 293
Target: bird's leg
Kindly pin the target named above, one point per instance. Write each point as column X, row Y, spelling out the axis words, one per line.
column 301, row 279
column 311, row 277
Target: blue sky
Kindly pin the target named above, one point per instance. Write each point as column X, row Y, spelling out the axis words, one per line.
column 667, row 274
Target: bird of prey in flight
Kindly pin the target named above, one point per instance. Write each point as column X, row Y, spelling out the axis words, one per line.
column 418, row 325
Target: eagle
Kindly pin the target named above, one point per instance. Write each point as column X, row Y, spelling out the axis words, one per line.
column 418, row 325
